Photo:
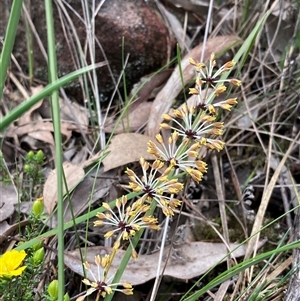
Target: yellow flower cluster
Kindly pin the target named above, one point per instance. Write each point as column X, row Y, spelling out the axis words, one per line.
column 193, row 127
column 127, row 222
column 100, row 284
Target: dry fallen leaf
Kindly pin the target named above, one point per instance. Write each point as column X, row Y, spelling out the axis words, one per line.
column 6, row 210
column 134, row 121
column 8, row 198
column 33, row 125
column 148, row 86
column 126, row 148
column 42, row 127
column 279, row 38
column 198, row 6
column 198, row 257
column 92, row 188
column 4, row 227
column 73, row 112
column 7, row 230
column 29, row 115
column 73, row 174
column 176, row 27
column 166, row 96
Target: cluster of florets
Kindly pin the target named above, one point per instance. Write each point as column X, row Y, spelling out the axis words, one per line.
column 193, row 126
column 100, row 284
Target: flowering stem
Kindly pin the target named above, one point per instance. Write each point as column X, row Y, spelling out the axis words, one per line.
column 161, row 253
column 198, row 127
column 128, row 254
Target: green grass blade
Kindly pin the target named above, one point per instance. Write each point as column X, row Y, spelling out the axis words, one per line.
column 70, row 224
column 9, row 40
column 55, row 109
column 178, row 56
column 48, row 90
column 247, row 45
column 239, row 268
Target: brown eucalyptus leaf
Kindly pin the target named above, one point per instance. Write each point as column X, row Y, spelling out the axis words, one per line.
column 73, row 174
column 92, row 160
column 166, row 96
column 126, row 148
column 194, row 6
column 25, row 129
column 71, row 111
column 8, row 194
column 4, row 227
column 7, row 230
column 41, row 130
column 6, row 210
column 149, row 86
column 8, row 198
column 28, row 116
column 92, row 188
column 176, row 27
column 196, row 259
column 44, row 136
column 134, row 121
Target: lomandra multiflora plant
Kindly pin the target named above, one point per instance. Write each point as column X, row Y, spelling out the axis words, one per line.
column 192, row 127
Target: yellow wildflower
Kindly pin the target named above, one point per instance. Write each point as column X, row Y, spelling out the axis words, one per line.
column 10, row 262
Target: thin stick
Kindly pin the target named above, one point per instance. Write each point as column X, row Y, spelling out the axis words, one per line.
column 207, row 28
column 161, row 253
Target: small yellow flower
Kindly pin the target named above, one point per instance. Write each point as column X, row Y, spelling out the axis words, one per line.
column 207, row 118
column 10, row 262
column 153, row 149
column 235, row 82
column 164, row 126
column 167, row 117
column 227, row 66
column 226, row 104
column 216, row 131
column 193, row 91
column 211, row 109
column 215, row 144
column 196, row 64
column 191, row 127
column 192, row 61
column 220, row 89
column 195, row 174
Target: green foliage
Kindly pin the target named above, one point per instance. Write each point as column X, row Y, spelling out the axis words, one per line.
column 23, row 288
column 33, row 165
column 53, row 292
column 33, row 175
